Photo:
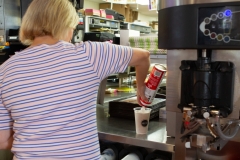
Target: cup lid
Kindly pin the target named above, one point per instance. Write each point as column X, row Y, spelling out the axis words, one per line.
column 140, row 109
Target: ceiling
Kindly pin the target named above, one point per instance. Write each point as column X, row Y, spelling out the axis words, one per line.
column 143, row 9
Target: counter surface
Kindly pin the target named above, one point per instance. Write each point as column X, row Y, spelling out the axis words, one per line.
column 123, row 131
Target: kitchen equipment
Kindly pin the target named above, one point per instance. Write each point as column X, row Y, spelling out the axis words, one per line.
column 202, row 39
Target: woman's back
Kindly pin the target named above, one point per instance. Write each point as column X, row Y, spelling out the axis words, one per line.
column 51, row 91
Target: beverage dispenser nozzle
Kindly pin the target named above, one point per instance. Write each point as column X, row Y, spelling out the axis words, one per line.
column 204, row 53
column 206, row 95
column 189, row 121
column 204, row 60
column 202, row 80
column 210, row 127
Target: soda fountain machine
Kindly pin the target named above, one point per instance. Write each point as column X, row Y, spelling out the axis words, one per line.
column 203, row 69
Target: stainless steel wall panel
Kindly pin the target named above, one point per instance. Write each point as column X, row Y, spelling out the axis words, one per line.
column 12, row 14
column 1, row 15
column 2, row 22
column 1, row 6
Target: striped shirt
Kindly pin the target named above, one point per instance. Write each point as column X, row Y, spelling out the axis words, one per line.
column 48, row 96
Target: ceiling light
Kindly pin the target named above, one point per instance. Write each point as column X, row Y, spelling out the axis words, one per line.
column 117, row 1
column 142, row 2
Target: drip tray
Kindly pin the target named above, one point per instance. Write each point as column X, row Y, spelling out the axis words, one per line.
column 124, row 108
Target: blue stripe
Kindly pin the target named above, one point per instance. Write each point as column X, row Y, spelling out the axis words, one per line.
column 104, row 62
column 67, row 149
column 34, row 56
column 52, row 88
column 66, row 128
column 36, row 50
column 108, row 60
column 53, row 103
column 59, row 44
column 59, row 133
column 98, row 62
column 74, row 127
column 57, row 110
column 74, row 106
column 15, row 60
column 42, row 133
column 79, row 155
column 47, row 81
column 6, row 120
column 5, row 127
column 90, row 50
column 53, row 66
column 91, row 79
column 129, row 59
column 118, row 59
column 111, row 62
column 42, row 98
column 44, row 125
column 53, row 133
column 56, row 143
column 57, row 79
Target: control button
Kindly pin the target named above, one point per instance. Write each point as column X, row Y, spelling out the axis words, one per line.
column 206, row 32
column 228, row 13
column 206, row 115
column 189, row 113
column 226, row 39
column 220, row 15
column 213, row 35
column 220, row 37
column 207, row 20
column 214, row 17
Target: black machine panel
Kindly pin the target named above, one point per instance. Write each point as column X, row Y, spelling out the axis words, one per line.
column 207, row 84
column 78, row 4
column 219, row 26
column 200, row 26
column 99, row 37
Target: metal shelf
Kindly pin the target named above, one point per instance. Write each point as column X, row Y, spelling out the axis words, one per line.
column 138, row 27
column 123, row 131
column 92, row 22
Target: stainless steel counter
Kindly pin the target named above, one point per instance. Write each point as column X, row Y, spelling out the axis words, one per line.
column 122, row 95
column 123, row 131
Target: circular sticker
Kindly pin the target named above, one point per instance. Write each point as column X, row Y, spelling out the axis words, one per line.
column 144, row 123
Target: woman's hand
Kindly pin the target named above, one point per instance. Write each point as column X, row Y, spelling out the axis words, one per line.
column 6, row 139
column 141, row 62
column 141, row 94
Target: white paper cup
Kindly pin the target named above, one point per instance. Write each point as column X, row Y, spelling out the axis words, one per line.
column 131, row 156
column 141, row 119
column 108, row 154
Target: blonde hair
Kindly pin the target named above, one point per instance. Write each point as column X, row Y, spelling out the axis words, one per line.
column 47, row 17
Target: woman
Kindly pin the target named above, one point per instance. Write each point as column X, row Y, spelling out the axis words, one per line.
column 49, row 90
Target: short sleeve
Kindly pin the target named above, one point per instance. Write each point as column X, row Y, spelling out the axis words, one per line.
column 6, row 121
column 107, row 58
